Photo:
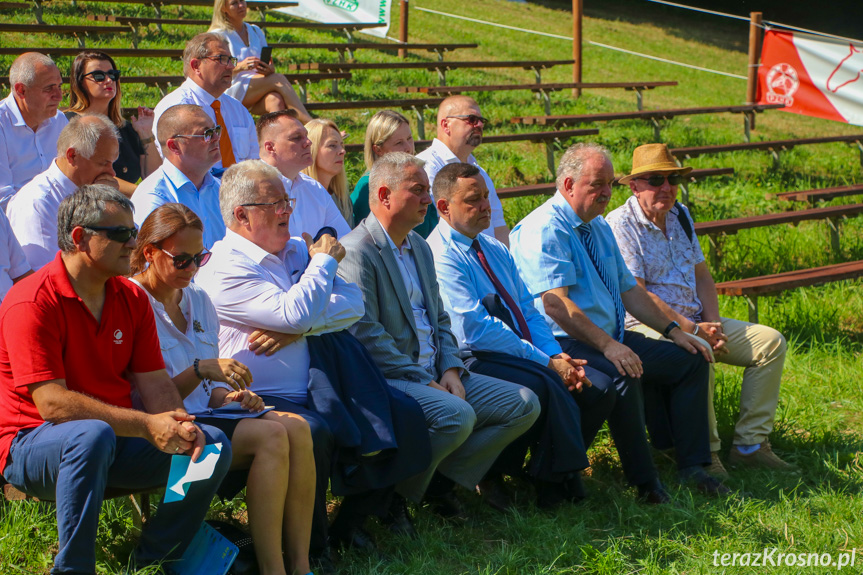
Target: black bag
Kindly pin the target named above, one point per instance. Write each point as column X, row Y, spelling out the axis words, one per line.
column 246, row 563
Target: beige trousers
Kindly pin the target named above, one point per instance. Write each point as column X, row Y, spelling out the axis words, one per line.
column 761, row 351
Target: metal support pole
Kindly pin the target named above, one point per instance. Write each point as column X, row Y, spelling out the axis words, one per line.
column 421, row 122
column 755, row 37
column 441, row 76
column 549, row 156
column 37, row 11
column 833, row 226
column 537, row 74
column 335, row 86
column 546, row 100
column 860, row 147
column 403, row 27
column 753, row 308
column 577, row 11
column 775, row 154
column 657, row 135
column 303, row 88
column 714, row 252
column 684, row 193
column 639, row 99
column 748, row 122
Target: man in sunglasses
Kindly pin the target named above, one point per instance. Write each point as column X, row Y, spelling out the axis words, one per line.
column 285, row 145
column 567, row 255
column 656, row 237
column 29, row 122
column 190, row 144
column 86, row 151
column 459, row 133
column 208, row 67
column 75, row 339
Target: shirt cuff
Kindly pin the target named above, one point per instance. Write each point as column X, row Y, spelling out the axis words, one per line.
column 326, row 262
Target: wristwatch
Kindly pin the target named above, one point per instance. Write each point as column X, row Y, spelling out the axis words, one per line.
column 696, row 330
column 670, row 327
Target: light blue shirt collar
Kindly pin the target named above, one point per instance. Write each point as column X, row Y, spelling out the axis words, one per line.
column 178, row 179
column 563, row 208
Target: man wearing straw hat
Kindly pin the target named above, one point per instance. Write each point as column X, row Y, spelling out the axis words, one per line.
column 663, row 253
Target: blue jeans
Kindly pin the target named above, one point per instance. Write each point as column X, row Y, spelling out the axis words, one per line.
column 72, row 463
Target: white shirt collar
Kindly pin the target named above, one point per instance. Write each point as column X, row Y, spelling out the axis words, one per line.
column 447, row 155
column 405, row 245
column 202, row 94
column 55, row 173
column 253, row 251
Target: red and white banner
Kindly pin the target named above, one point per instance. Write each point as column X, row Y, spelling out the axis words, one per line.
column 812, row 75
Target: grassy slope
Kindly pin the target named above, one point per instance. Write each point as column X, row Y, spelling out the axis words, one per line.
column 818, row 425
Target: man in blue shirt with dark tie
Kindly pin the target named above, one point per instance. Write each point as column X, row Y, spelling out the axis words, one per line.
column 570, row 261
column 501, row 334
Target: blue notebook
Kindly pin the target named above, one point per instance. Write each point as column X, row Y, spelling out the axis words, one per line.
column 208, row 554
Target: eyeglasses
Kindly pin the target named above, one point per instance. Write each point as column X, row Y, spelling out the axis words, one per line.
column 282, row 206
column 223, row 59
column 471, row 119
column 658, row 179
column 183, row 261
column 120, row 234
column 101, row 75
column 208, row 134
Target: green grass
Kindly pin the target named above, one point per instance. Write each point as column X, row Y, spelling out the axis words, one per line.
column 819, row 421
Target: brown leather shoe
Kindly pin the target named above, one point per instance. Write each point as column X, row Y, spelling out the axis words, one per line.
column 764, row 458
column 716, row 469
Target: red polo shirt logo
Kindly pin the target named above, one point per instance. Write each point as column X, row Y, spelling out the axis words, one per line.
column 118, row 337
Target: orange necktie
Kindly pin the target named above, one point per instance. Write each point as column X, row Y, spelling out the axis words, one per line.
column 225, row 140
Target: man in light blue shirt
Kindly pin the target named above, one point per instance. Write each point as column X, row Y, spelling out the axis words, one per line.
column 190, row 143
column 571, row 263
column 500, row 334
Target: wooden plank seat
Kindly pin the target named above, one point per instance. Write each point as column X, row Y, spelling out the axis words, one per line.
column 346, row 49
column 440, row 67
column 833, row 215
column 772, row 146
column 653, row 116
column 550, row 187
column 173, row 53
column 752, row 288
column 418, row 105
column 548, row 138
column 79, row 32
column 822, row 194
column 135, row 22
column 14, row 6
column 542, row 89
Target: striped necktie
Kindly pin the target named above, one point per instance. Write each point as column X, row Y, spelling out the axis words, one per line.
column 513, row 307
column 612, row 286
column 225, row 139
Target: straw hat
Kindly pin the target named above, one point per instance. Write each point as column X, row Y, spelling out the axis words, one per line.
column 653, row 158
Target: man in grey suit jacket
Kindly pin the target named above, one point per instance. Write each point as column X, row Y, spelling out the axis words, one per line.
column 471, row 417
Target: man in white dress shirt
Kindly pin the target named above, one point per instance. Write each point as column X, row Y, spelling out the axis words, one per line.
column 208, row 67
column 13, row 263
column 284, row 143
column 29, row 122
column 86, row 151
column 459, row 133
column 190, row 142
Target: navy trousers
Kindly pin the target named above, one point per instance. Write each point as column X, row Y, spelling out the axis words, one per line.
column 72, row 463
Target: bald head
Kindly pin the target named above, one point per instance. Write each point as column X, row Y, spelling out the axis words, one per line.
column 460, row 125
column 176, row 119
column 453, row 105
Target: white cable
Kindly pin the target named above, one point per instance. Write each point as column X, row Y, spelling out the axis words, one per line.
column 789, row 27
column 589, row 42
column 744, row 18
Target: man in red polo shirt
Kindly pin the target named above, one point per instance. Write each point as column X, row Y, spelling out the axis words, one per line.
column 74, row 340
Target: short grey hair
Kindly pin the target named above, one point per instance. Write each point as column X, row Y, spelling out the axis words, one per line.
column 82, row 136
column 573, row 160
column 23, row 70
column 240, row 185
column 389, row 170
column 198, row 48
column 85, row 208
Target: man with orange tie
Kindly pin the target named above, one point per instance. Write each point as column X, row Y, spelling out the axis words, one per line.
column 208, row 66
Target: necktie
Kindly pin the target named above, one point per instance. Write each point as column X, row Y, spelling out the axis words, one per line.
column 225, row 139
column 613, row 288
column 519, row 317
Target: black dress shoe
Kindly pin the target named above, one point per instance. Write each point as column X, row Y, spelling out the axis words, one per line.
column 397, row 520
column 446, row 505
column 353, row 537
column 550, row 495
column 653, row 493
column 494, row 494
column 711, row 486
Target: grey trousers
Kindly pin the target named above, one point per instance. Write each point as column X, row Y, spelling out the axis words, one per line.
column 468, row 434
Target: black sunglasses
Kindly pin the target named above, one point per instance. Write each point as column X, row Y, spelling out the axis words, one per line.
column 658, row 179
column 183, row 261
column 100, row 75
column 120, row 234
column 471, row 119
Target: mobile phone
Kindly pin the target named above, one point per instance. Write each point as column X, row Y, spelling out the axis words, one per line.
column 326, row 230
column 266, row 54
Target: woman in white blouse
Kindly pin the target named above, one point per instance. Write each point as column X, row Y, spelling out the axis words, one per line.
column 256, row 83
column 275, row 447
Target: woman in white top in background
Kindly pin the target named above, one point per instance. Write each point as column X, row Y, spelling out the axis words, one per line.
column 275, row 447
column 256, row 83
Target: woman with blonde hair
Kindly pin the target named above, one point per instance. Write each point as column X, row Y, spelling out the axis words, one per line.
column 275, row 447
column 388, row 131
column 94, row 88
column 256, row 83
column 328, row 163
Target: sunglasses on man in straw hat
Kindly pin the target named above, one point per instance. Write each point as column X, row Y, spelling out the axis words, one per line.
column 655, row 159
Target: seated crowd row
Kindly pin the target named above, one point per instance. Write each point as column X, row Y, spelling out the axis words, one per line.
column 390, row 346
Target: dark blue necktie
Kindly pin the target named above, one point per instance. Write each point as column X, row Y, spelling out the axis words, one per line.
column 610, row 284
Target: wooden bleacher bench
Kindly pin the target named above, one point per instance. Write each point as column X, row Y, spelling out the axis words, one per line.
column 542, row 89
column 440, row 67
column 550, row 187
column 346, row 49
column 773, row 146
column 79, row 32
column 752, row 288
column 652, row 115
column 14, row 6
column 174, row 53
column 823, row 194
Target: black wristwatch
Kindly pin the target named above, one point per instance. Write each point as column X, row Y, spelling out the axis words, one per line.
column 670, row 327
